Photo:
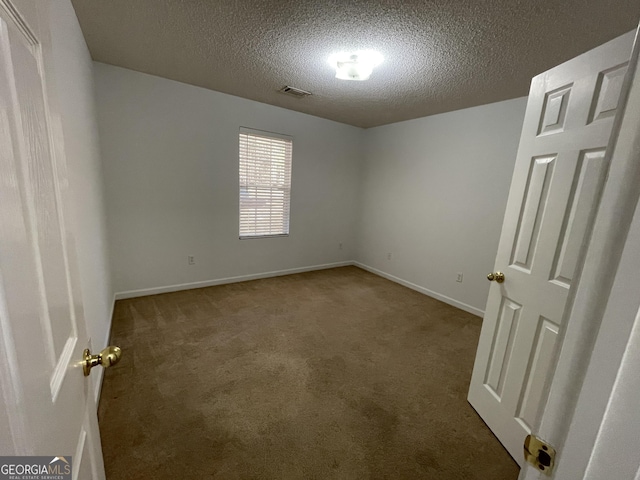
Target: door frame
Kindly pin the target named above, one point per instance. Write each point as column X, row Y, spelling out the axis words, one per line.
column 584, row 314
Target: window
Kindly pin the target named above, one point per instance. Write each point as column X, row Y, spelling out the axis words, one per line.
column 265, row 183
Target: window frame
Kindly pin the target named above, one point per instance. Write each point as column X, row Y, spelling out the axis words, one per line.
column 286, row 190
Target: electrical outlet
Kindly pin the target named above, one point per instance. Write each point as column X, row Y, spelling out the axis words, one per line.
column 459, row 277
column 389, row 256
column 340, row 245
column 191, row 260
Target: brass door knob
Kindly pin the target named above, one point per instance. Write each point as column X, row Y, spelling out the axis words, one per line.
column 497, row 276
column 107, row 358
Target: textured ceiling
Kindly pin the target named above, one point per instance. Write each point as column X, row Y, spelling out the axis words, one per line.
column 440, row 55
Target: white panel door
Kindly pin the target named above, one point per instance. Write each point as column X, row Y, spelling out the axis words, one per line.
column 560, row 171
column 51, row 411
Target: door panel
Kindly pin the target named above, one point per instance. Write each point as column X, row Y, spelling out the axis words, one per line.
column 588, row 181
column 57, row 319
column 502, row 345
column 533, row 205
column 607, row 93
column 543, row 346
column 560, row 171
column 43, row 333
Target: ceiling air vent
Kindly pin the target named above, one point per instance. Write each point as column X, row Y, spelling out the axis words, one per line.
column 294, row 92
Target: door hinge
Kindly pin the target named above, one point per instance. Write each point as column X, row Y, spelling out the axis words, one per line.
column 539, row 453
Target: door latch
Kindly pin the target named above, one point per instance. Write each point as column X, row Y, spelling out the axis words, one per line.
column 539, row 453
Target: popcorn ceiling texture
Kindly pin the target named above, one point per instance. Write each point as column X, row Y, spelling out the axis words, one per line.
column 440, row 55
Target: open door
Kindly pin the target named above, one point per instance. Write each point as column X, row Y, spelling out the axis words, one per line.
column 560, row 171
column 48, row 405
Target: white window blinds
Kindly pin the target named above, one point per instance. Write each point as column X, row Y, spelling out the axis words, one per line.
column 265, row 183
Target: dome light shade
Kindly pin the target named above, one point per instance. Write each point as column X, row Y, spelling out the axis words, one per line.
column 355, row 65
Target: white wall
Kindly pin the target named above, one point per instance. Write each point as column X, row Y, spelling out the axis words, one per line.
column 431, row 191
column 72, row 67
column 170, row 154
column 433, row 194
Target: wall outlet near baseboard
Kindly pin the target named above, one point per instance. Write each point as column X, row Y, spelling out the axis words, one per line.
column 340, row 246
column 191, row 260
column 459, row 277
column 389, row 256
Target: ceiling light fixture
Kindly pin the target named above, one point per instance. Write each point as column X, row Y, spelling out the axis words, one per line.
column 355, row 65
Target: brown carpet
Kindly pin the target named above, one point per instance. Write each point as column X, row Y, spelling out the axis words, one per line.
column 336, row 374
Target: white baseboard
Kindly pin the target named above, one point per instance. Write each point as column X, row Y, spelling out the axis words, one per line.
column 426, row 291
column 277, row 273
column 222, row 281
